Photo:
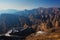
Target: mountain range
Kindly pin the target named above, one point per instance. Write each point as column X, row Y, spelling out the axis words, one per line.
column 39, row 19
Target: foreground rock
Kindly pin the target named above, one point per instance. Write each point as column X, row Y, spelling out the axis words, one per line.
column 45, row 36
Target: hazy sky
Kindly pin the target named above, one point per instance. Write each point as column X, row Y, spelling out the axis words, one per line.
column 27, row 4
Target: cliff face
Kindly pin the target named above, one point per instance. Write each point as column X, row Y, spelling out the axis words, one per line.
column 45, row 18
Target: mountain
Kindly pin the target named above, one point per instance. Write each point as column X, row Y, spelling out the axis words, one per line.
column 38, row 19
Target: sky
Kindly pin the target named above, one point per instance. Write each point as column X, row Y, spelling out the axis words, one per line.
column 27, row 4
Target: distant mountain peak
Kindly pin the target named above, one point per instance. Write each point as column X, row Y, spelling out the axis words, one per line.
column 8, row 11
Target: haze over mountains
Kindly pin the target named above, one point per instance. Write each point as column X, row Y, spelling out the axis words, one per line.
column 8, row 11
